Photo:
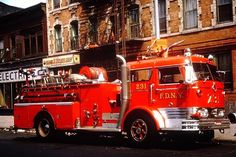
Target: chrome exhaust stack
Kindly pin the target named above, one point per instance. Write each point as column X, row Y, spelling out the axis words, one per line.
column 124, row 90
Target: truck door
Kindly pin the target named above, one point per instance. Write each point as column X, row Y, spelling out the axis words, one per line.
column 170, row 90
column 141, row 80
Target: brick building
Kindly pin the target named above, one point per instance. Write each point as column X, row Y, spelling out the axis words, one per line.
column 23, row 43
column 91, row 32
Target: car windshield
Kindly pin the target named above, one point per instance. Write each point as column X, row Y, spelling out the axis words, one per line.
column 205, row 71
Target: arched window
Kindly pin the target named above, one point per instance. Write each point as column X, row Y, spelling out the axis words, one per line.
column 74, row 35
column 58, row 38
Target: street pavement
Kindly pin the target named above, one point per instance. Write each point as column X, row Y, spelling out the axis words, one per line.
column 6, row 123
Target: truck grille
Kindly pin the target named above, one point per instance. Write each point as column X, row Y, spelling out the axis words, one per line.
column 176, row 113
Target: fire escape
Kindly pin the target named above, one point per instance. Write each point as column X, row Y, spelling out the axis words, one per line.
column 119, row 8
column 118, row 12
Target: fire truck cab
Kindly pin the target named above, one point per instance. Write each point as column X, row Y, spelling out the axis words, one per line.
column 181, row 93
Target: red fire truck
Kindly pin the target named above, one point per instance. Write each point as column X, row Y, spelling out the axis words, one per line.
column 155, row 95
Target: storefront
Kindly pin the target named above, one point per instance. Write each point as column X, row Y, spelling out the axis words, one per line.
column 10, row 84
column 62, row 64
column 95, row 57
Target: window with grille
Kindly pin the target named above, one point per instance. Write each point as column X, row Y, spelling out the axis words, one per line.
column 74, row 35
column 190, row 14
column 134, row 21
column 224, row 11
column 58, row 38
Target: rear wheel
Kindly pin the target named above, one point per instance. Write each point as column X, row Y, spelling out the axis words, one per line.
column 140, row 129
column 44, row 127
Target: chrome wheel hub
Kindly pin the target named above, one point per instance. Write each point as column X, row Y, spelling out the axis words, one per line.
column 139, row 130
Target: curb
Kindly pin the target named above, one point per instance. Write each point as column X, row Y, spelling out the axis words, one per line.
column 15, row 131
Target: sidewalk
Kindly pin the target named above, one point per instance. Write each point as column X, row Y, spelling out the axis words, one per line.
column 228, row 135
column 6, row 122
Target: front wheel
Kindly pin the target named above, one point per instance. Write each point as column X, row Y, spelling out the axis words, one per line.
column 140, row 129
column 44, row 127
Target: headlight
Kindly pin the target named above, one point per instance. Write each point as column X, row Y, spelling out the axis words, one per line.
column 203, row 112
column 218, row 113
column 200, row 113
column 221, row 113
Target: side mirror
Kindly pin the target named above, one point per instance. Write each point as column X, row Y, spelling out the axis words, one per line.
column 221, row 75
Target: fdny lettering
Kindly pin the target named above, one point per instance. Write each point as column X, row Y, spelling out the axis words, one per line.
column 171, row 95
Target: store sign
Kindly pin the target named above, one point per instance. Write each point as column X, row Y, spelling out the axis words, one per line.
column 60, row 61
column 16, row 76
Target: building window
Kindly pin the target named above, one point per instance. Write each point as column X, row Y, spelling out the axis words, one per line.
column 33, row 43
column 13, row 47
column 27, row 45
column 111, row 30
column 58, row 38
column 224, row 11
column 40, row 43
column 134, row 21
column 56, row 4
column 224, row 63
column 162, row 16
column 74, row 35
column 73, row 1
column 2, row 51
column 190, row 14
column 93, row 33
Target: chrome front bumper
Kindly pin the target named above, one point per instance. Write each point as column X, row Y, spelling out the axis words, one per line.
column 205, row 124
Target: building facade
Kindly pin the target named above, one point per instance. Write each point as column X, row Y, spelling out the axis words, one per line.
column 94, row 31
column 23, row 44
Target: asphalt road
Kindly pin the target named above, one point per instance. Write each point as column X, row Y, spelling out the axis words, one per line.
column 27, row 145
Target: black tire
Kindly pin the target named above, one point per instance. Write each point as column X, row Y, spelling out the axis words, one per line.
column 44, row 127
column 140, row 129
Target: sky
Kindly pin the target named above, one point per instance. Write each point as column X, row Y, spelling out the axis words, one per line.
column 22, row 3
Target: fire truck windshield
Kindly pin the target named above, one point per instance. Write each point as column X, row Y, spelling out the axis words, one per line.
column 205, row 71
column 201, row 71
